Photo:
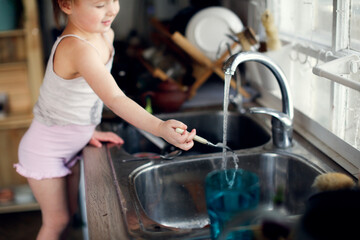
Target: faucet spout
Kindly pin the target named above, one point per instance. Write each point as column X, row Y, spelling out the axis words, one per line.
column 281, row 123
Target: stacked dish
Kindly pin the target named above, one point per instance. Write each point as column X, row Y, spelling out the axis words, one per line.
column 207, row 30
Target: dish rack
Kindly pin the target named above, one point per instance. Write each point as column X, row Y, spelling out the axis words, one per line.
column 202, row 66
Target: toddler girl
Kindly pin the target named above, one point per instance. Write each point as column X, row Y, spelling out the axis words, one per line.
column 77, row 82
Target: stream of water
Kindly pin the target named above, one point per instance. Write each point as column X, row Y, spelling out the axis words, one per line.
column 230, row 180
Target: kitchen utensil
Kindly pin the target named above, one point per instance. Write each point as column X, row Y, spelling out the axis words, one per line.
column 205, row 141
column 171, row 155
column 272, row 37
column 153, row 156
column 247, row 39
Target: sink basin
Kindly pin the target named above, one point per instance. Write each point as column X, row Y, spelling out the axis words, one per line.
column 244, row 132
column 162, row 199
column 172, row 194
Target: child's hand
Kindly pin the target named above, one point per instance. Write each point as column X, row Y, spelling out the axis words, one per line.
column 99, row 137
column 183, row 141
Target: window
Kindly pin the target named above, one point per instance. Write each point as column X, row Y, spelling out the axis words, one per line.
column 318, row 31
column 354, row 25
column 306, row 20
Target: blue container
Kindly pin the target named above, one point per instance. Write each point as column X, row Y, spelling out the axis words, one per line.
column 229, row 193
column 8, row 15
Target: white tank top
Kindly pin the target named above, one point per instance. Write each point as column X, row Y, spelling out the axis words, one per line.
column 64, row 102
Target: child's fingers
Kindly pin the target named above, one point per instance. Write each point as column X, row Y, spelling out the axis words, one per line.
column 95, row 142
column 114, row 138
column 187, row 136
column 185, row 140
column 99, row 137
column 177, row 124
column 191, row 135
column 109, row 137
column 187, row 145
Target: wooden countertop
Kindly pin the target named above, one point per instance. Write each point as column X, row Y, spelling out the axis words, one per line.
column 105, row 220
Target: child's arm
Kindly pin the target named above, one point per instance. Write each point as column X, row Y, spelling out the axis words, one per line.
column 87, row 62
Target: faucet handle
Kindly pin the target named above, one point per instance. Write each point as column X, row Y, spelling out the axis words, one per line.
column 282, row 117
column 281, row 126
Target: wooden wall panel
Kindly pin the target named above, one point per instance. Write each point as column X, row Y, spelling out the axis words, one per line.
column 9, row 142
column 14, row 82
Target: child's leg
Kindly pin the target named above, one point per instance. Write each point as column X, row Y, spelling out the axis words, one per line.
column 51, row 195
column 73, row 188
column 72, row 183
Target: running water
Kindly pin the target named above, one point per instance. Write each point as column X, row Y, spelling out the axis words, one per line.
column 225, row 123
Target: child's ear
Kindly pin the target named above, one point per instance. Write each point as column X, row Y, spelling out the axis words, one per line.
column 66, row 6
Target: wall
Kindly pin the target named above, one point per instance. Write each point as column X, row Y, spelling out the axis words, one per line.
column 134, row 14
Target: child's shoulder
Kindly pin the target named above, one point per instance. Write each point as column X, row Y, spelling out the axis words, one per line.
column 74, row 45
column 73, row 40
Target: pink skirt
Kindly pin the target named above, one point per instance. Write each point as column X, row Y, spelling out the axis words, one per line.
column 51, row 151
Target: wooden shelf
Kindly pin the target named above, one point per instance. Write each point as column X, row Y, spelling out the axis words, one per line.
column 15, row 207
column 12, row 33
column 23, row 200
column 13, row 65
column 15, row 121
column 21, row 74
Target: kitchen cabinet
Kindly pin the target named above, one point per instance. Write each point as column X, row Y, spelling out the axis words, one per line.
column 21, row 73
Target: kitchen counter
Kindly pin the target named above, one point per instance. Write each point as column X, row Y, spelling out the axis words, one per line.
column 104, row 217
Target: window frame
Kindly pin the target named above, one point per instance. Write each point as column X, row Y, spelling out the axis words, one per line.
column 335, row 147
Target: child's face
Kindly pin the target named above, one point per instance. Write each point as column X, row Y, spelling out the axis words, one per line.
column 94, row 15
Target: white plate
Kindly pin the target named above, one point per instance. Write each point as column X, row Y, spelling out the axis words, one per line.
column 207, row 30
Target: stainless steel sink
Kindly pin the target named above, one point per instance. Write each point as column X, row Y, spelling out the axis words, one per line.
column 163, row 199
column 172, row 194
column 243, row 132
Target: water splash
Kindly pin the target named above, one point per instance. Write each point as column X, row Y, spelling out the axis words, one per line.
column 231, row 180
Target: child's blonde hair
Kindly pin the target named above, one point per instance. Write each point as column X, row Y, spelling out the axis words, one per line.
column 58, row 13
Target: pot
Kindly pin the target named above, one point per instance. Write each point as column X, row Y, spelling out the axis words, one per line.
column 168, row 97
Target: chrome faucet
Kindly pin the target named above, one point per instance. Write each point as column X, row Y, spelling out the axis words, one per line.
column 282, row 122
